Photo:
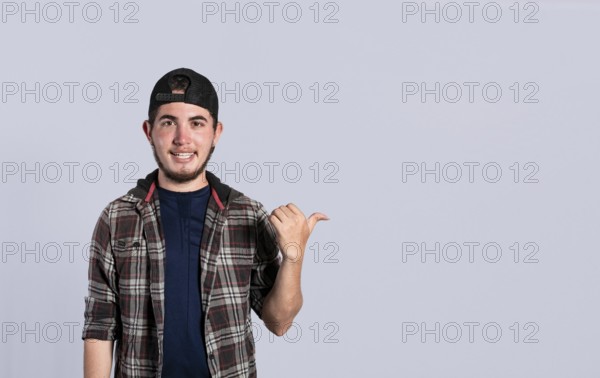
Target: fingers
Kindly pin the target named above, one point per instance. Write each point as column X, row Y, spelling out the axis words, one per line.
column 280, row 214
column 286, row 211
column 293, row 208
column 283, row 212
column 273, row 219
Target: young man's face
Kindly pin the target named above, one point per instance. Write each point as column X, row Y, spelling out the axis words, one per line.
column 183, row 139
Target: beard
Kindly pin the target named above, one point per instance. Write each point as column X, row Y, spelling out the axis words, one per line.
column 184, row 176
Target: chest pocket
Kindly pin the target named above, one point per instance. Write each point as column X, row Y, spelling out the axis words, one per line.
column 131, row 259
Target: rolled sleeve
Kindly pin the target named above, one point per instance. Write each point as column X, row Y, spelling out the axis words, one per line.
column 266, row 263
column 102, row 316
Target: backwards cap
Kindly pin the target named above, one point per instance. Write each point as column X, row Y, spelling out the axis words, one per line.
column 199, row 91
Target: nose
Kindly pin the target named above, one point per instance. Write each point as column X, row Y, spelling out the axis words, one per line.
column 182, row 135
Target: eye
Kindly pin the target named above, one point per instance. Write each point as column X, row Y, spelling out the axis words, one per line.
column 197, row 123
column 167, row 122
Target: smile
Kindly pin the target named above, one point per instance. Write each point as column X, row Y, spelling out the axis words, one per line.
column 183, row 155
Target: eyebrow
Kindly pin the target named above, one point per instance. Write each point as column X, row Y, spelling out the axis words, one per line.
column 173, row 118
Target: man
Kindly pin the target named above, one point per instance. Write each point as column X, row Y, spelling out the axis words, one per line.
column 178, row 262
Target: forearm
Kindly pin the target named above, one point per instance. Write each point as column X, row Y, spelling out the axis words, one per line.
column 97, row 358
column 284, row 301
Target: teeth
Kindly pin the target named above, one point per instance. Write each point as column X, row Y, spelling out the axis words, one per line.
column 182, row 155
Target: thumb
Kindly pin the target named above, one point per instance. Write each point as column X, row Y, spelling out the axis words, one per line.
column 314, row 218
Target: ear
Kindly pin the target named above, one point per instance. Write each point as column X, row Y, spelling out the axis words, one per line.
column 147, row 131
column 218, row 132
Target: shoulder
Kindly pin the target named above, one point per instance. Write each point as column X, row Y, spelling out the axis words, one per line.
column 124, row 203
column 136, row 195
column 243, row 202
column 245, row 210
column 123, row 207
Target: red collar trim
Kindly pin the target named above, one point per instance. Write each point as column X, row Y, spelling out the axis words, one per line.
column 150, row 191
column 216, row 197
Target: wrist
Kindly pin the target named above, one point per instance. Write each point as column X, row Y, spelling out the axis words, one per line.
column 293, row 252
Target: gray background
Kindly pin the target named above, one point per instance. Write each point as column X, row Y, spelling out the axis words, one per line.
column 374, row 305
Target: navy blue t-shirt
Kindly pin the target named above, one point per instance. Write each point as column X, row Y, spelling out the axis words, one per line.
column 182, row 216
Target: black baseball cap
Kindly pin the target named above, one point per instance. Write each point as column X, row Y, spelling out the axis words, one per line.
column 199, row 91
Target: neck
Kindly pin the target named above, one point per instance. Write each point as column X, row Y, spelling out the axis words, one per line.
column 188, row 186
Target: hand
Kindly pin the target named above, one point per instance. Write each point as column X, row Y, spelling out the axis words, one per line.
column 293, row 229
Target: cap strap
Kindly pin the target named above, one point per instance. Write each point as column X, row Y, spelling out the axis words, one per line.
column 170, row 97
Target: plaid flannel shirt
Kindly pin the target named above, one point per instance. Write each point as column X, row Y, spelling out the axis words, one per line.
column 239, row 261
